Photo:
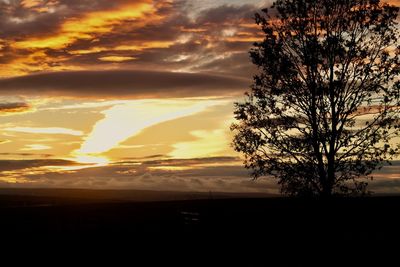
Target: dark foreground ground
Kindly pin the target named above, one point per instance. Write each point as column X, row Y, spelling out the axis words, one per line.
column 234, row 228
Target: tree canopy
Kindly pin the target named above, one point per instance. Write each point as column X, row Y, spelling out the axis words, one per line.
column 323, row 110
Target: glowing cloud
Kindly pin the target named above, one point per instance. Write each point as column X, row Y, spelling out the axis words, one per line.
column 50, row 130
column 30, row 3
column 137, row 46
column 14, row 108
column 86, row 27
column 208, row 144
column 39, row 5
column 126, row 120
column 116, row 58
column 92, row 161
column 35, row 147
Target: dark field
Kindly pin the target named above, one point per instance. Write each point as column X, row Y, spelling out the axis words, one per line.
column 243, row 227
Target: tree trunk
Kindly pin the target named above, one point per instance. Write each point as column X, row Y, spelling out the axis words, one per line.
column 330, row 179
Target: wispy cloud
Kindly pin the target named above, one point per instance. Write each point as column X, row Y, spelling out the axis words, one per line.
column 116, row 58
column 49, row 130
column 88, row 26
column 9, row 108
column 202, row 174
column 135, row 34
column 36, row 147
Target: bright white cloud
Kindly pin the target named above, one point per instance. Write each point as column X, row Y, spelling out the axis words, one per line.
column 126, row 120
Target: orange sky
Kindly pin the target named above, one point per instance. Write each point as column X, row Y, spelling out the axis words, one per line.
column 110, row 86
column 124, row 93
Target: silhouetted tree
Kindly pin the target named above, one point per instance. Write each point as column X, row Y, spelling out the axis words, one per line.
column 325, row 105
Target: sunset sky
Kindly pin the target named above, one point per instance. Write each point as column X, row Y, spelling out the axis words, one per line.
column 128, row 94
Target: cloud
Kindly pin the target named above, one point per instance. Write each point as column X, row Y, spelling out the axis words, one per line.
column 48, row 16
column 207, row 143
column 123, row 84
column 116, row 127
column 49, row 130
column 26, row 155
column 116, row 58
column 226, row 14
column 13, row 108
column 87, row 26
column 82, row 35
column 35, row 147
column 203, row 174
column 14, row 165
column 223, row 174
column 188, row 162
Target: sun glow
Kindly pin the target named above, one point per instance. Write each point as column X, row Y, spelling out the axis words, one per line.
column 208, row 143
column 88, row 161
column 126, row 120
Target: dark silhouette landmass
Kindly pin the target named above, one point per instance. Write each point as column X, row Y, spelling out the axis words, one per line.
column 249, row 227
column 28, row 197
column 90, row 215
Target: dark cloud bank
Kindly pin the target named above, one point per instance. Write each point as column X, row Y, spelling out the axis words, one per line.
column 124, row 83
